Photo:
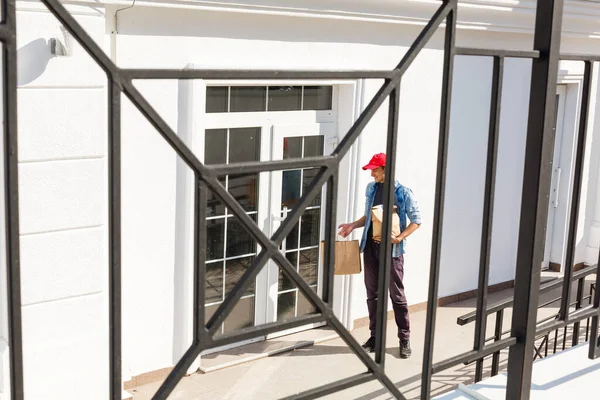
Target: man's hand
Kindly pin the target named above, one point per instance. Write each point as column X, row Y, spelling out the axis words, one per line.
column 396, row 239
column 345, row 229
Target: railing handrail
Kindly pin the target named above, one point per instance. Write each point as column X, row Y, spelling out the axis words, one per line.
column 544, row 288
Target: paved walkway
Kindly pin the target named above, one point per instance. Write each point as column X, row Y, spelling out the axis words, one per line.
column 293, row 372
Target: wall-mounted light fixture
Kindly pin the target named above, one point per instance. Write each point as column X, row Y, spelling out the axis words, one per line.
column 60, row 44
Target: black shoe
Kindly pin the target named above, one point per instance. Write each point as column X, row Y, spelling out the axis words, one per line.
column 369, row 345
column 405, row 350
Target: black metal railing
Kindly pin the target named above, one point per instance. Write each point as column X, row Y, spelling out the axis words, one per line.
column 499, row 310
column 533, row 213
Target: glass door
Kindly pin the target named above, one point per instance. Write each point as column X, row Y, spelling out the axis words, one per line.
column 229, row 248
column 302, row 245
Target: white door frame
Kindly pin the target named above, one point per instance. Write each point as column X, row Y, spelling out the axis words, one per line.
column 191, row 124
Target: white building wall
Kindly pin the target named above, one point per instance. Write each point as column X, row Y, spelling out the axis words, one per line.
column 174, row 38
column 62, row 183
column 62, row 125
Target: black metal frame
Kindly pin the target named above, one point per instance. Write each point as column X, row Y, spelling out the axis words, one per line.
column 531, row 234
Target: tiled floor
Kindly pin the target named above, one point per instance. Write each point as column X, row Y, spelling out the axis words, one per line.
column 309, row 367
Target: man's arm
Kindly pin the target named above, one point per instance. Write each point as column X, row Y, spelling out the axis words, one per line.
column 346, row 229
column 414, row 215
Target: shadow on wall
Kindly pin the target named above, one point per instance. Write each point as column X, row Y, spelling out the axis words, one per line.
column 32, row 60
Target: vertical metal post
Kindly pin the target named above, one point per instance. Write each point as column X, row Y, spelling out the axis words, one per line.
column 497, row 337
column 565, row 301
column 11, row 200
column 546, row 346
column 578, row 305
column 330, row 237
column 385, row 251
column 440, row 189
column 594, row 339
column 488, row 212
column 200, row 244
column 536, row 188
column 114, row 235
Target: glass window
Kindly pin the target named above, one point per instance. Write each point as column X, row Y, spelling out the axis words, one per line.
column 217, row 99
column 285, row 98
column 248, row 98
column 318, row 97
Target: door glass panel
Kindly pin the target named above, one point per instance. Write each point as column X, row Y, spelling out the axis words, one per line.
column 286, row 283
column 239, row 242
column 318, row 97
column 242, row 316
column 244, row 145
column 234, row 269
column 230, row 248
column 304, row 306
column 307, row 234
column 286, row 306
column 217, row 99
column 285, row 98
column 310, row 228
column 308, row 265
column 248, row 98
column 308, row 176
column 244, row 190
column 215, row 235
column 214, row 282
column 313, row 146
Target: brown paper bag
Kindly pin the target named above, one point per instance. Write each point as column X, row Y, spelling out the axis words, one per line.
column 377, row 218
column 347, row 257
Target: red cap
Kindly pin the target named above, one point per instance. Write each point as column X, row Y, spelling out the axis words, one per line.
column 377, row 161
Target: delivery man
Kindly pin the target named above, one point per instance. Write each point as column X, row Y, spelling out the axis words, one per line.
column 406, row 207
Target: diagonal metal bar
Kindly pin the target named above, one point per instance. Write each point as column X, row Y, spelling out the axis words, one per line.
column 576, row 192
column 594, row 337
column 114, row 235
column 333, row 387
column 11, row 199
column 385, row 249
column 488, row 211
column 440, row 188
column 178, row 372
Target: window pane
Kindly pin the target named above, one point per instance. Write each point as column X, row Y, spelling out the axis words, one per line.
column 308, row 176
column 215, row 238
column 215, row 146
column 244, row 189
column 242, row 316
column 308, row 265
column 234, row 269
column 290, row 188
column 216, row 99
column 313, row 146
column 286, row 283
column 286, row 305
column 291, row 242
column 248, row 98
column 311, row 228
column 214, row 282
column 318, row 97
column 244, row 145
column 292, row 147
column 214, row 206
column 239, row 241
column 285, row 98
column 304, row 306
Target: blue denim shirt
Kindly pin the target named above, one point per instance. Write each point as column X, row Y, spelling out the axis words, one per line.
column 407, row 207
